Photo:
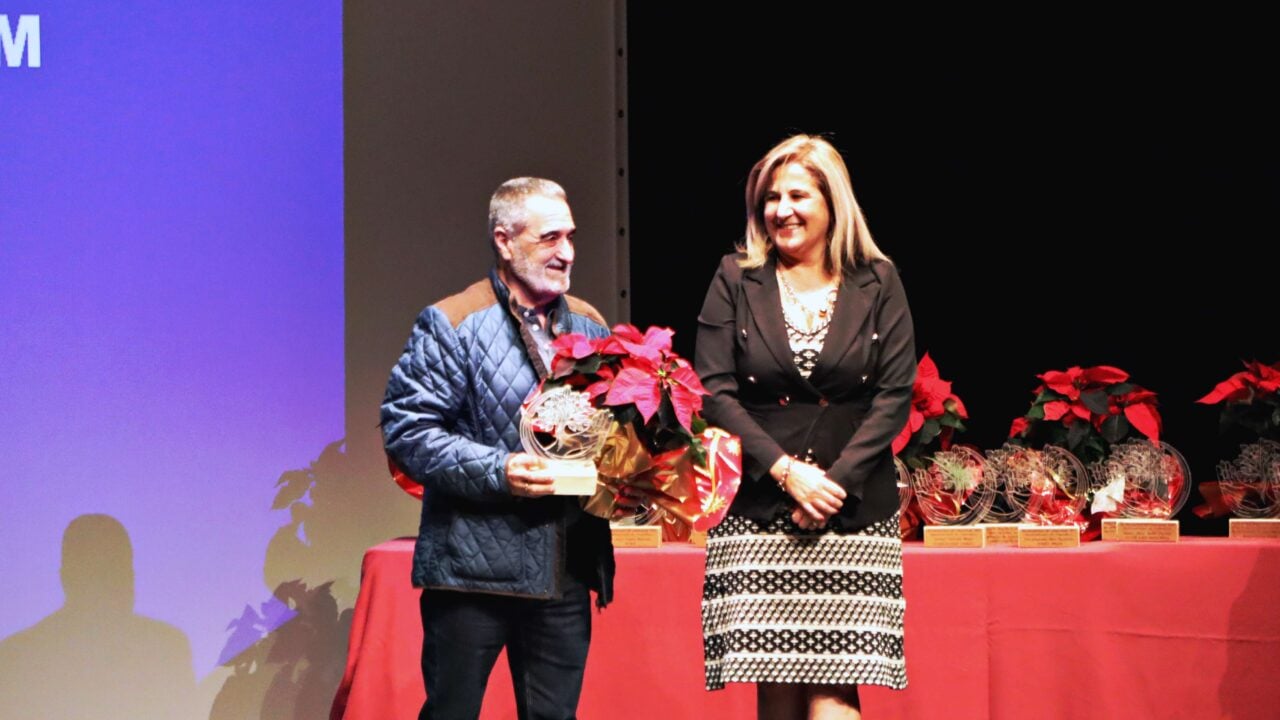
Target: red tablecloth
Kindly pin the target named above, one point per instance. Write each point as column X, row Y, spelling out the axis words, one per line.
column 1107, row 630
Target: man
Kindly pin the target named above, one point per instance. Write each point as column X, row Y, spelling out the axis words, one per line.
column 502, row 562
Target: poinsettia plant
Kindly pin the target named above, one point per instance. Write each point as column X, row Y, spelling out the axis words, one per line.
column 1250, row 400
column 936, row 415
column 1086, row 411
column 639, row 379
column 659, row 444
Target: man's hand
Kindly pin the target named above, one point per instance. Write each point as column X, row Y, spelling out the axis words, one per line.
column 628, row 500
column 527, row 476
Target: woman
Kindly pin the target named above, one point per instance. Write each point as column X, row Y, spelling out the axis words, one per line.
column 805, row 344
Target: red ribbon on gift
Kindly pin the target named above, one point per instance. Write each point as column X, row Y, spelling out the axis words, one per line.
column 692, row 497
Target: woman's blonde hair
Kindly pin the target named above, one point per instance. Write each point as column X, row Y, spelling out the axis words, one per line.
column 849, row 241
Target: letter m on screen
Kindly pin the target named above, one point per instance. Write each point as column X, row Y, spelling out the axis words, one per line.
column 20, row 40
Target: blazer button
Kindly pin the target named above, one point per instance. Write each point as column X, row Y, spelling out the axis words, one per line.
column 744, row 332
column 822, row 402
column 784, row 400
column 751, row 379
column 864, row 378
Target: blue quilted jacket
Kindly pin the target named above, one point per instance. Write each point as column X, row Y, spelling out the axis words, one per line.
column 449, row 420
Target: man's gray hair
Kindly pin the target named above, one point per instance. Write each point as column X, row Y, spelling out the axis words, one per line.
column 506, row 207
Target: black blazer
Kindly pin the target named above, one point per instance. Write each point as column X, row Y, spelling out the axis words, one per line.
column 845, row 415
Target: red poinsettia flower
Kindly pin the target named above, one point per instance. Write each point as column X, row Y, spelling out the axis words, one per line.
column 601, row 386
column 630, row 368
column 1139, row 409
column 574, row 345
column 1018, row 427
column 933, row 406
column 1056, row 409
column 1087, row 409
column 642, row 381
column 570, row 348
column 654, row 345
column 1255, row 379
column 1076, row 380
column 1250, row 400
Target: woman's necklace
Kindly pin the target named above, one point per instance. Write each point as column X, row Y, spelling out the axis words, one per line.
column 811, row 312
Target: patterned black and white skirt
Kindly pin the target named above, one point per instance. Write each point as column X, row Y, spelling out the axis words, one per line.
column 785, row 605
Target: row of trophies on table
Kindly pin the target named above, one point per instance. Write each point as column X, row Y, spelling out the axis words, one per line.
column 1050, row 487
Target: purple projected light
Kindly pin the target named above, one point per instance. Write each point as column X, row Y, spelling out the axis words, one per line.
column 170, row 291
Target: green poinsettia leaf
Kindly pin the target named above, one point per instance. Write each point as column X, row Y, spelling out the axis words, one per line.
column 1036, row 413
column 1115, row 428
column 626, row 414
column 917, row 463
column 1096, row 401
column 666, row 413
column 1060, row 433
column 1045, row 396
column 929, row 431
column 1123, row 388
column 1092, row 449
column 697, row 453
column 698, row 425
column 589, row 365
column 952, row 420
column 1076, row 434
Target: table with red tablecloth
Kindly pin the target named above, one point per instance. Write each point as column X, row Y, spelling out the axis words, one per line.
column 1108, row 630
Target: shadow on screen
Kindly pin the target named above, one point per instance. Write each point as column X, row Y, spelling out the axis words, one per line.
column 94, row 657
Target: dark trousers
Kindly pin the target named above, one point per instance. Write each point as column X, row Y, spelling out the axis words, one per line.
column 546, row 642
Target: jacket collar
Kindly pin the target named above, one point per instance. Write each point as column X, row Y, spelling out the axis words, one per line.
column 854, row 301
column 557, row 321
column 557, row 310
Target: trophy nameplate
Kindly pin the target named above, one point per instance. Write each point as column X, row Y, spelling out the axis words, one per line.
column 1002, row 533
column 955, row 536
column 1048, row 536
column 1254, row 528
column 1139, row 530
column 636, row 536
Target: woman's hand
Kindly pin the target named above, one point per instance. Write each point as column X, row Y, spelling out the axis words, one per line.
column 803, row 521
column 818, row 496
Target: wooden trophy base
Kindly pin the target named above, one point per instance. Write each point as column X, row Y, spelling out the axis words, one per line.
column 636, row 536
column 1048, row 536
column 573, row 477
column 1002, row 533
column 1139, row 530
column 1254, row 529
column 955, row 536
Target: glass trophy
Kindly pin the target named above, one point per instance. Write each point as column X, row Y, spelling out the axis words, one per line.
column 561, row 426
column 1154, row 479
column 1047, row 487
column 953, row 488
column 904, row 485
column 1250, row 483
column 1001, row 463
